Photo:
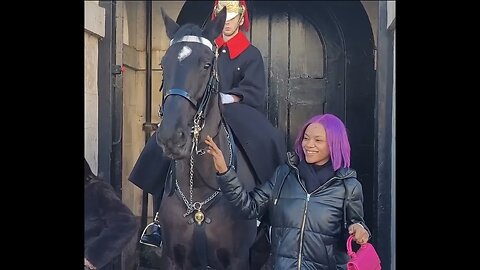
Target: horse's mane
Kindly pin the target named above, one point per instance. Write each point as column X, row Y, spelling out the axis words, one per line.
column 188, row 29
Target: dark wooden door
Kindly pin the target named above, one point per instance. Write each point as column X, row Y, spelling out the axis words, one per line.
column 294, row 64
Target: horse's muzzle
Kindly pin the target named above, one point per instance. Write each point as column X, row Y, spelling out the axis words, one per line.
column 175, row 148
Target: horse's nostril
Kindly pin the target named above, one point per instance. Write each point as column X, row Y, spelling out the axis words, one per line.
column 158, row 140
column 181, row 135
column 179, row 138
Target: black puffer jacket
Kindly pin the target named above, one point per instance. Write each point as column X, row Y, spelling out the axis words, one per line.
column 306, row 228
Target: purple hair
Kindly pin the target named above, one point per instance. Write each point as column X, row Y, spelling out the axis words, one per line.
column 336, row 137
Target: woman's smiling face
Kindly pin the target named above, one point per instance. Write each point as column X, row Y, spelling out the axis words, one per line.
column 315, row 145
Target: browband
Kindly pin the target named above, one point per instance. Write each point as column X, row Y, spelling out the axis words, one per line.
column 196, row 39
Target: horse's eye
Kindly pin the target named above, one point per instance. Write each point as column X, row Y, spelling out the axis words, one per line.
column 207, row 66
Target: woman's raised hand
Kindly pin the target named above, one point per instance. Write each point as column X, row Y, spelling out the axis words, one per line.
column 218, row 158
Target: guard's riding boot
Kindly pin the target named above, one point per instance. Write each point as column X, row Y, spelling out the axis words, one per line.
column 152, row 234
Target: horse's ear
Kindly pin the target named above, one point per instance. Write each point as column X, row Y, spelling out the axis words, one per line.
column 170, row 25
column 214, row 27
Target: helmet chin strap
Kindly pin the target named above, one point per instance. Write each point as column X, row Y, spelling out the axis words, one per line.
column 238, row 25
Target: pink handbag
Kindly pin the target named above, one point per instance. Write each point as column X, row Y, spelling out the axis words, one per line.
column 366, row 258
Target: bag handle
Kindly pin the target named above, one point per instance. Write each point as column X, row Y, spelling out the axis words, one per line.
column 349, row 247
column 345, row 206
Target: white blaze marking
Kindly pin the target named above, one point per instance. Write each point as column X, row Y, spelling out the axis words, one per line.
column 184, row 53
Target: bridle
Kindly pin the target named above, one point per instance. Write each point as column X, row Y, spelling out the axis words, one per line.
column 212, row 87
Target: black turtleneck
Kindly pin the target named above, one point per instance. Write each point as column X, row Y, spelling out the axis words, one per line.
column 315, row 175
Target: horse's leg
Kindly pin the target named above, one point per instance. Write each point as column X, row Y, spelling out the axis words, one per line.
column 166, row 263
column 227, row 259
column 240, row 263
column 230, row 237
column 177, row 257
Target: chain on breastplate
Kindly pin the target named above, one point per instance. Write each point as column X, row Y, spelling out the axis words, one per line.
column 196, row 206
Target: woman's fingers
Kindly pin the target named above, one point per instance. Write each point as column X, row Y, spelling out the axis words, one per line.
column 217, row 155
column 212, row 145
column 360, row 235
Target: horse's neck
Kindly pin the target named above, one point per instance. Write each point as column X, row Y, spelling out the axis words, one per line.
column 214, row 127
column 213, row 117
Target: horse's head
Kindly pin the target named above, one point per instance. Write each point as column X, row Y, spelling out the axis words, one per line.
column 188, row 66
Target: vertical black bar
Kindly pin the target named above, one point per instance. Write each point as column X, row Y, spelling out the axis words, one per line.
column 117, row 113
column 148, row 92
column 384, row 118
column 110, row 100
column 117, row 125
column 105, row 62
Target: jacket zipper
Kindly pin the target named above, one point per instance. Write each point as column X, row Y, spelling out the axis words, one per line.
column 302, row 231
column 299, row 181
column 305, row 210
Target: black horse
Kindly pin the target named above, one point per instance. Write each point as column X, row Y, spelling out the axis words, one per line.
column 200, row 228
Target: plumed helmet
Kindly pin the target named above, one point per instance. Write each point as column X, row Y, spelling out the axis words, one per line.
column 233, row 9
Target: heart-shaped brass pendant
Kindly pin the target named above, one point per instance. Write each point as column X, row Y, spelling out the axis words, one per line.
column 199, row 217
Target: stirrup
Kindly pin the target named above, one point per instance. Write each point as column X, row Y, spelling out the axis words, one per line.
column 154, row 238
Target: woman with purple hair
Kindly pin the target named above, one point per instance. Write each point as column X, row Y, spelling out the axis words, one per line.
column 310, row 201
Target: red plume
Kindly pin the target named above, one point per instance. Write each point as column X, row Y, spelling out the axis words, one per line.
column 246, row 22
column 214, row 7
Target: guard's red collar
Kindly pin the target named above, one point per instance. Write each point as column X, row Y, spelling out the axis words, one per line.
column 235, row 45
